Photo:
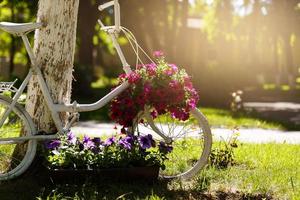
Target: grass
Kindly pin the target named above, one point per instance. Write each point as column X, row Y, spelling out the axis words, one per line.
column 261, row 171
column 225, row 119
column 267, row 168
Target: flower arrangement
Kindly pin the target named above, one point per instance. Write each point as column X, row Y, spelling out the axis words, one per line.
column 69, row 152
column 160, row 85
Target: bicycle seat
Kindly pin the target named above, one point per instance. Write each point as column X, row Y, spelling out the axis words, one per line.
column 19, row 28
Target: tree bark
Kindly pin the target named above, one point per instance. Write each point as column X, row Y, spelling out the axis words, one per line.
column 54, row 49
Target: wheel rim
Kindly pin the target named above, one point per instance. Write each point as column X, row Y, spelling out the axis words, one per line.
column 191, row 143
column 14, row 157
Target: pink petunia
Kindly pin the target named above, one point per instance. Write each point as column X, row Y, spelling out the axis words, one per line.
column 158, row 54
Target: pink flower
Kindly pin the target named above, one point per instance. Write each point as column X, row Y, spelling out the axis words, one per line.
column 151, row 69
column 174, row 85
column 171, row 70
column 133, row 77
column 154, row 114
column 173, row 67
column 180, row 114
column 192, row 104
column 141, row 100
column 147, row 88
column 158, row 54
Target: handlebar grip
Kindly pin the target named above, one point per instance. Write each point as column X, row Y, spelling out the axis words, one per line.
column 116, row 5
column 106, row 5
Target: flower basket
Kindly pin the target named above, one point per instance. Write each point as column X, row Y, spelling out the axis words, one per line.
column 121, row 157
column 77, row 176
column 163, row 87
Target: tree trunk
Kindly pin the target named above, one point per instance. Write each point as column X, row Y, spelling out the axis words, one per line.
column 84, row 69
column 54, row 49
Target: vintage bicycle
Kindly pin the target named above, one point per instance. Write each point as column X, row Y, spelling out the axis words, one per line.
column 19, row 136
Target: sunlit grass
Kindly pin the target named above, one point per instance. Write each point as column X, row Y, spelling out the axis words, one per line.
column 9, row 129
column 266, row 168
column 225, row 119
column 185, row 154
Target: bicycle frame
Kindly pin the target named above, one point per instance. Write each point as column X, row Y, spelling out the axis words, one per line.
column 55, row 109
column 74, row 107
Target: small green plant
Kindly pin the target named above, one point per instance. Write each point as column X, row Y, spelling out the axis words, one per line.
column 222, row 156
column 203, row 181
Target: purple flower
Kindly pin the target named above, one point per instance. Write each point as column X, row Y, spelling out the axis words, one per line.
column 53, row 144
column 97, row 141
column 164, row 148
column 72, row 138
column 126, row 142
column 87, row 142
column 158, row 54
column 110, row 141
column 146, row 142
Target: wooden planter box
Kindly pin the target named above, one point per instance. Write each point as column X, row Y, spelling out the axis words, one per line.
column 116, row 174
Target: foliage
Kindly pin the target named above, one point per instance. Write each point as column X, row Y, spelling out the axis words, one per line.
column 161, row 86
column 68, row 152
column 222, row 156
column 15, row 11
column 203, row 181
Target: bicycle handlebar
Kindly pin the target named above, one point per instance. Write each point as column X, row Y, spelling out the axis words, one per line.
column 106, row 5
column 116, row 5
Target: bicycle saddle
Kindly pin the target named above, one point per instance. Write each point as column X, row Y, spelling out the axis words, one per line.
column 19, row 28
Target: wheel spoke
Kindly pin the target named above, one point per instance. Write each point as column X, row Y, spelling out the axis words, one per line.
column 189, row 143
column 13, row 156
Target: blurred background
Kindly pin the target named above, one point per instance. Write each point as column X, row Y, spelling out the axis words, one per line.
column 225, row 45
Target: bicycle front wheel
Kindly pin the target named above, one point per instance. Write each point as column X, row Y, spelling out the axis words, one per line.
column 191, row 141
column 15, row 157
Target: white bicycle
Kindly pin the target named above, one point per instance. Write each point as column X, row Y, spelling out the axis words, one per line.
column 191, row 139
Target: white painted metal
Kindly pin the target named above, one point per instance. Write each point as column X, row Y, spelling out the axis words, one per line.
column 19, row 28
column 106, row 5
column 75, row 107
column 32, row 144
column 16, row 97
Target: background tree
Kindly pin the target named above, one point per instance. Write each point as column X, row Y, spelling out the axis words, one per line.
column 55, row 47
column 84, row 69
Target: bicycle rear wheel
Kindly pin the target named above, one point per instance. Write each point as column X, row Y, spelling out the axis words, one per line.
column 191, row 141
column 15, row 158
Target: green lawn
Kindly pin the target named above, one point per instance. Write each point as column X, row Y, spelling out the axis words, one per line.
column 224, row 119
column 267, row 168
column 261, row 171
